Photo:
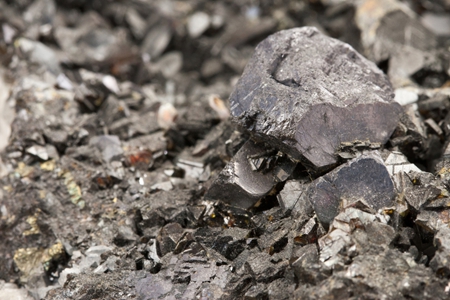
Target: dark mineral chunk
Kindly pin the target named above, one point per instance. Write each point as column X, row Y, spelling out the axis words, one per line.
column 364, row 178
column 231, row 243
column 168, row 238
column 305, row 94
column 248, row 177
column 124, row 236
column 306, row 265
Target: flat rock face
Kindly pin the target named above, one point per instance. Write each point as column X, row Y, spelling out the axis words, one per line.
column 364, row 179
column 306, row 93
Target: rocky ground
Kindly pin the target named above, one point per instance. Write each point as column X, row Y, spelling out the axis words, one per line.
column 141, row 161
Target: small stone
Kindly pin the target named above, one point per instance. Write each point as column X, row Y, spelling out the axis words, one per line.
column 306, row 94
column 440, row 262
column 38, row 151
column 218, row 105
column 157, row 40
column 256, row 292
column 40, row 54
column 396, row 163
column 293, row 198
column 439, row 24
column 167, row 115
column 306, row 265
column 198, row 23
column 125, row 236
column 170, row 64
column 109, row 145
column 168, row 238
column 405, row 96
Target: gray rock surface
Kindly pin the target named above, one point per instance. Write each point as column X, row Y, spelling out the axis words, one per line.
column 306, row 93
column 365, row 179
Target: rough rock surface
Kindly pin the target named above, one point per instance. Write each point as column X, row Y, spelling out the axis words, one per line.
column 306, row 93
column 120, row 129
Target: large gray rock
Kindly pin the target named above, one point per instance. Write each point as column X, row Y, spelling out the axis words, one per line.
column 306, row 93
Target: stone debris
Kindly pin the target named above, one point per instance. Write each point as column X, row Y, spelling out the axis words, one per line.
column 128, row 172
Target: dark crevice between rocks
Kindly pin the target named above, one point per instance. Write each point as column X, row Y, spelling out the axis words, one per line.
column 430, row 78
column 415, row 239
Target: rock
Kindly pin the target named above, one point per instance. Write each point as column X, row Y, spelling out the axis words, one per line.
column 249, row 176
column 170, row 64
column 124, row 236
column 197, row 24
column 109, row 145
column 396, row 162
column 292, row 198
column 136, row 23
column 306, row 265
column 167, row 115
column 392, row 32
column 385, row 25
column 168, row 238
column 364, row 178
column 263, row 269
column 405, row 96
column 40, row 54
column 229, row 245
column 439, row 24
column 13, row 292
column 153, row 287
column 305, row 94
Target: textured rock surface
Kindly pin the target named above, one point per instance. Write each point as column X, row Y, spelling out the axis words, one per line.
column 306, row 93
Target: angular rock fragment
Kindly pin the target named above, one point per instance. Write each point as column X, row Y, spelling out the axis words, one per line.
column 397, row 162
column 362, row 179
column 249, row 176
column 306, row 265
column 305, row 94
column 40, row 54
column 293, row 198
column 109, row 145
column 168, row 238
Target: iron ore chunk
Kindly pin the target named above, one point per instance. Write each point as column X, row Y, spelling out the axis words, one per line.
column 305, row 94
column 250, row 175
column 365, row 179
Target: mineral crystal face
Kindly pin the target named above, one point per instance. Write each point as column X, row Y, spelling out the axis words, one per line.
column 306, row 94
column 365, row 179
column 248, row 176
